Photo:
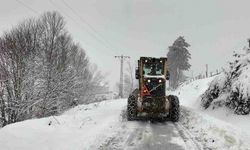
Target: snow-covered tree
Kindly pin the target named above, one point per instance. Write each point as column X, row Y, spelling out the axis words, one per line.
column 232, row 87
column 47, row 72
column 178, row 59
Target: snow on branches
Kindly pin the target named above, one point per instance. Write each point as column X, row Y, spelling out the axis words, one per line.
column 47, row 72
column 232, row 87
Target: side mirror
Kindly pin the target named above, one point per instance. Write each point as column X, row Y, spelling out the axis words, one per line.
column 137, row 73
column 167, row 75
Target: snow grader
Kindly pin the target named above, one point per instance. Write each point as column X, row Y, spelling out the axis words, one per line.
column 150, row 100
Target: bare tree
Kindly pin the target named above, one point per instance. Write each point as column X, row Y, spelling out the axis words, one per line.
column 47, row 72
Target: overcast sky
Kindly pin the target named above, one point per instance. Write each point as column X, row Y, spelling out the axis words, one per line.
column 105, row 28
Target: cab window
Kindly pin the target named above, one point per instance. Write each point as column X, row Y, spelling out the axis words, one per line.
column 153, row 68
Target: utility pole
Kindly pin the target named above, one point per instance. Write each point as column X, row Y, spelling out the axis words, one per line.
column 248, row 50
column 248, row 42
column 121, row 74
column 206, row 70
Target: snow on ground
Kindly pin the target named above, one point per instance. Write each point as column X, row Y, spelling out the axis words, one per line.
column 189, row 96
column 81, row 127
column 189, row 93
column 213, row 133
column 216, row 128
column 103, row 126
column 95, row 126
column 231, row 88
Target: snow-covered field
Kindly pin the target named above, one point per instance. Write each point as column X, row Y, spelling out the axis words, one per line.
column 104, row 126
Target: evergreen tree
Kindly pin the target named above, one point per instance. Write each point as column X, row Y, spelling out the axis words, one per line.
column 178, row 60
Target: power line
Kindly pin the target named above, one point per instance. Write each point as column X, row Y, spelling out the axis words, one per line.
column 79, row 24
column 63, row 12
column 26, row 6
column 81, row 19
column 69, row 7
column 85, row 22
column 71, row 18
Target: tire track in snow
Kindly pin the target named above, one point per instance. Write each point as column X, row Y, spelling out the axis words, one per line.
column 150, row 135
column 187, row 137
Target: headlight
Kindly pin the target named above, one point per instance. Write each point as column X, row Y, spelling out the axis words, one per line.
column 160, row 81
column 149, row 81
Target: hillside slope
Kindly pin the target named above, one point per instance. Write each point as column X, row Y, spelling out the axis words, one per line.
column 190, row 97
column 189, row 93
column 231, row 89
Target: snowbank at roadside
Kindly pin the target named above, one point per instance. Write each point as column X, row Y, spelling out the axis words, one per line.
column 213, row 133
column 189, row 93
column 213, row 128
column 190, row 97
column 81, row 127
column 231, row 88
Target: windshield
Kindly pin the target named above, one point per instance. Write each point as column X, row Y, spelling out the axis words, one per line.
column 154, row 68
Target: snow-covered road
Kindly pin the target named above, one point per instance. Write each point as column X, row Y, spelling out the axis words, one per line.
column 94, row 126
column 104, row 126
column 150, row 135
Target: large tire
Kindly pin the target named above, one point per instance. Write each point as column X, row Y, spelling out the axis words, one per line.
column 132, row 108
column 174, row 108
